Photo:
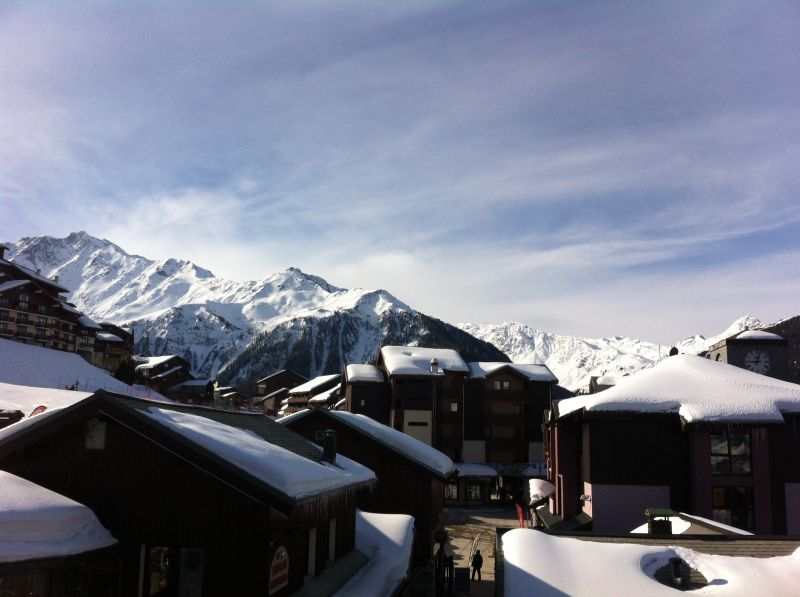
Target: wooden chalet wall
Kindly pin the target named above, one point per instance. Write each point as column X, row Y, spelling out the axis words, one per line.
column 145, row 494
column 370, row 399
column 403, row 486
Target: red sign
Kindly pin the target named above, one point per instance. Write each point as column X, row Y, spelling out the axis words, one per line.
column 38, row 410
column 279, row 571
column 520, row 515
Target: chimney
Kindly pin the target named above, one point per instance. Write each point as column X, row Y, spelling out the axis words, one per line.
column 55, row 278
column 329, row 446
column 434, row 365
column 38, row 270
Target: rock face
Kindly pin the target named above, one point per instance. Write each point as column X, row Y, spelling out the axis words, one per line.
column 236, row 331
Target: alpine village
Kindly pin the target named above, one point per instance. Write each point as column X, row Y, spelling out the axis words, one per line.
column 432, row 466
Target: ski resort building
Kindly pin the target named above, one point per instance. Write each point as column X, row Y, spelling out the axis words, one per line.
column 756, row 350
column 33, row 311
column 411, row 474
column 299, row 397
column 690, row 434
column 487, row 413
column 201, row 501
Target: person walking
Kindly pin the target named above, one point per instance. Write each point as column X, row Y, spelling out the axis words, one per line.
column 477, row 562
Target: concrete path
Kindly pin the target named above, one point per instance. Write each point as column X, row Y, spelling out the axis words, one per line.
column 462, row 526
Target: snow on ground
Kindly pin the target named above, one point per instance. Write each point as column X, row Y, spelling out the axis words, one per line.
column 698, row 389
column 289, row 473
column 679, row 526
column 544, row 565
column 27, row 398
column 38, row 523
column 532, row 371
column 30, row 365
column 413, row 360
column 411, row 447
column 364, row 373
column 386, row 539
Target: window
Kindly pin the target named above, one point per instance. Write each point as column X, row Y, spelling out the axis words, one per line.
column 454, row 407
column 502, row 385
column 733, row 505
column 42, row 309
column 451, row 491
column 730, row 453
column 474, row 491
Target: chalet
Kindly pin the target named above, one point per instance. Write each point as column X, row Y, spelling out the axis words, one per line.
column 690, row 434
column 281, row 379
column 49, row 542
column 113, row 346
column 192, row 391
column 299, row 396
column 271, row 403
column 161, row 372
column 483, row 413
column 411, row 474
column 201, row 501
column 33, row 311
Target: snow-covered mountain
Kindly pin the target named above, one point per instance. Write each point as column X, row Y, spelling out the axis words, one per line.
column 236, row 331
column 575, row 360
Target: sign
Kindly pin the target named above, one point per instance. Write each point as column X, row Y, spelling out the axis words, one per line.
column 279, row 570
column 521, row 516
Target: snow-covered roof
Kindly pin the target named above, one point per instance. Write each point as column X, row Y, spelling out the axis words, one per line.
column 35, row 276
column 540, row 489
column 536, row 563
column 698, row 389
column 325, row 396
column 363, row 373
column 11, row 284
column 108, row 337
column 339, row 404
column 291, row 474
column 27, row 398
column 757, row 335
column 413, row 360
column 88, row 322
column 531, row 371
column 314, row 384
column 413, row 449
column 168, row 372
column 608, row 380
column 148, row 362
column 38, row 523
column 192, row 382
column 475, row 469
column 31, row 365
column 387, row 539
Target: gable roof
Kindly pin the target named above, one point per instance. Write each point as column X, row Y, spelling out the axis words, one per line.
column 250, row 453
column 31, row 274
column 402, row 444
column 697, row 389
column 316, row 385
column 530, row 371
column 415, row 360
column 281, row 372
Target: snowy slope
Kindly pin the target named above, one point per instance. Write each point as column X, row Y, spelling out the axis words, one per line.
column 575, row 360
column 237, row 331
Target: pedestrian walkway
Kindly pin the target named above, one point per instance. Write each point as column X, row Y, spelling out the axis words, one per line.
column 462, row 526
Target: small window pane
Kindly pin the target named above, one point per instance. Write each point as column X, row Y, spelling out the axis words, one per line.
column 720, row 465
column 740, row 465
column 740, row 445
column 719, row 444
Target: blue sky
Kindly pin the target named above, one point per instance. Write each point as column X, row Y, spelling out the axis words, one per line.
column 595, row 169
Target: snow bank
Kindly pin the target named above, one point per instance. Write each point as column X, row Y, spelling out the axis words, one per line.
column 544, row 565
column 289, row 473
column 364, row 373
column 531, row 371
column 314, row 384
column 38, row 523
column 413, row 360
column 387, row 539
column 411, row 447
column 698, row 389
column 30, row 365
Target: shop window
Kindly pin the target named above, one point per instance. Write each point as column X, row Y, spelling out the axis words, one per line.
column 474, row 491
column 730, row 453
column 733, row 505
column 451, row 491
